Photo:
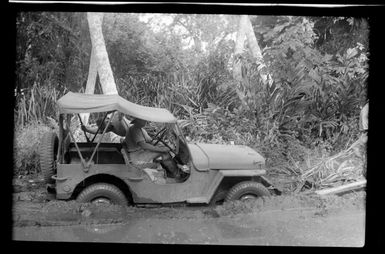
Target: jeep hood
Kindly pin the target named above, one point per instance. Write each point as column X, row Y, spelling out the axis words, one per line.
column 213, row 156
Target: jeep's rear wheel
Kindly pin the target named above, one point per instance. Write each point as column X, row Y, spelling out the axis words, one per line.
column 247, row 190
column 102, row 193
column 47, row 153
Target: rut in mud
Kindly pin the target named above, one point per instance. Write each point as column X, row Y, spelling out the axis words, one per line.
column 31, row 208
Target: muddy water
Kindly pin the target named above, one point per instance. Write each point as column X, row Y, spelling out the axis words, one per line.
column 279, row 228
column 287, row 220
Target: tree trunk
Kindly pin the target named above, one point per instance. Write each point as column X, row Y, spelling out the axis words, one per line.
column 245, row 29
column 256, row 52
column 90, row 86
column 99, row 62
column 239, row 46
column 98, row 45
column 197, row 44
column 92, row 74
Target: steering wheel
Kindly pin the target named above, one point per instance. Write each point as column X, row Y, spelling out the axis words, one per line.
column 163, row 131
column 160, row 139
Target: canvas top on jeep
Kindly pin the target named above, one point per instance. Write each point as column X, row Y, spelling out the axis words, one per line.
column 74, row 103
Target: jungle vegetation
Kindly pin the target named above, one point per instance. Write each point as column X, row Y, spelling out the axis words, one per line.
column 318, row 66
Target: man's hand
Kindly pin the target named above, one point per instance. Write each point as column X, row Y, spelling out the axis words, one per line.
column 90, row 129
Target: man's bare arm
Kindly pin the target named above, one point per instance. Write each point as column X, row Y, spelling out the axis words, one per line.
column 92, row 130
column 150, row 147
column 146, row 136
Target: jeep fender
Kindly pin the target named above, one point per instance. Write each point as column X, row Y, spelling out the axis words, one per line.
column 219, row 177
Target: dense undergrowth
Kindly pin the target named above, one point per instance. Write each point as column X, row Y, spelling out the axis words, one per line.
column 310, row 111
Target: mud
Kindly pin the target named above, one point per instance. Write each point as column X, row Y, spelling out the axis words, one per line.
column 284, row 228
column 31, row 207
column 290, row 220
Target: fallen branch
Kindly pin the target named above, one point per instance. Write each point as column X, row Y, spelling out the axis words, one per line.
column 333, row 171
column 291, row 170
column 347, row 187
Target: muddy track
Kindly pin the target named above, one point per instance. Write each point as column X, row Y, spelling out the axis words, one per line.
column 32, row 208
column 288, row 220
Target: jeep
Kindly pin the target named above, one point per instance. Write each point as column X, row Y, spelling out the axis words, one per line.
column 101, row 172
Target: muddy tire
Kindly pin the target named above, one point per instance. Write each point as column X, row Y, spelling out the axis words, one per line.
column 244, row 190
column 47, row 153
column 102, row 193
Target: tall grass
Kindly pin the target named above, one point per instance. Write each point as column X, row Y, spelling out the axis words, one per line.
column 35, row 113
column 36, row 104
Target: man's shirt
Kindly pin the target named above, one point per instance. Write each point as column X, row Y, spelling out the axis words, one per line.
column 118, row 126
column 134, row 137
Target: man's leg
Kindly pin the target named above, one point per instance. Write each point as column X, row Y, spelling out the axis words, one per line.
column 171, row 167
column 167, row 162
column 143, row 158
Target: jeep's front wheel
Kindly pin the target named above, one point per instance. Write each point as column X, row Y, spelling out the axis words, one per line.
column 47, row 153
column 247, row 190
column 102, row 193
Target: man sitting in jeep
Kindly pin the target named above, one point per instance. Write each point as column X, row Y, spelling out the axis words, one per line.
column 141, row 150
column 119, row 126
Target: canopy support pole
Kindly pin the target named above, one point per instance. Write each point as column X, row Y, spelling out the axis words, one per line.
column 77, row 147
column 100, row 140
column 86, row 164
column 81, row 123
column 99, row 127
